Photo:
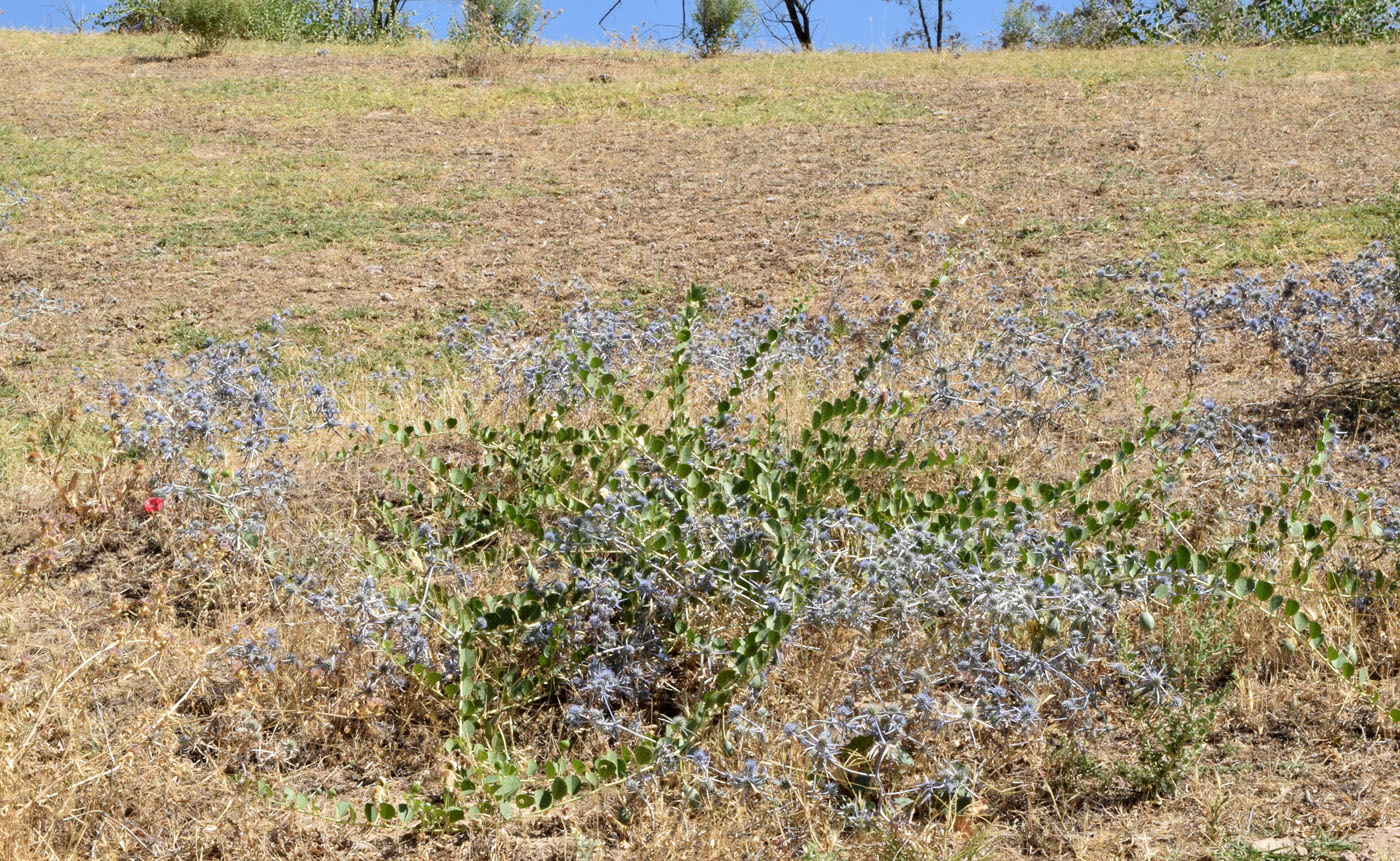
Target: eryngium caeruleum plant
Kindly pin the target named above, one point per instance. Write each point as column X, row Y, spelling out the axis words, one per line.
column 607, row 571
column 12, row 197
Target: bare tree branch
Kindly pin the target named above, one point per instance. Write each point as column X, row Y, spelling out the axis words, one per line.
column 76, row 18
column 923, row 22
column 613, row 8
column 789, row 22
column 919, row 31
column 799, row 16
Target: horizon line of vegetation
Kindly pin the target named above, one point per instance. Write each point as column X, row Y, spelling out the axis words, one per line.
column 713, row 27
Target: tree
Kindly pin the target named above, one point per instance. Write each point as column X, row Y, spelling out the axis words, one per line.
column 790, row 15
column 386, row 13
column 920, row 32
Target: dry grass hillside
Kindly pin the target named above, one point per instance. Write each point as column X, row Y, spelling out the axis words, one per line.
column 349, row 204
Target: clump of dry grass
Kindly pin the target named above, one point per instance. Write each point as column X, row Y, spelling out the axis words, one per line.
column 1361, row 403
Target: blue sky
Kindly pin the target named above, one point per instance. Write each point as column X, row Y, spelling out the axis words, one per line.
column 853, row 23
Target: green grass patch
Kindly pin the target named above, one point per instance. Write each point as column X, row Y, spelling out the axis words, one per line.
column 1219, row 237
column 1317, row 847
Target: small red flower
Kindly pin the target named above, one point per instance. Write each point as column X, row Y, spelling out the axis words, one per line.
column 154, row 505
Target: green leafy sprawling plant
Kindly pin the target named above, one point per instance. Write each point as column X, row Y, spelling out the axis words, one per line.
column 505, row 509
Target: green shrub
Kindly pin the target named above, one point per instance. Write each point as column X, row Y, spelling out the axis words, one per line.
column 1020, row 23
column 1090, row 24
column 274, row 21
column 1219, row 21
column 209, row 23
column 720, row 25
column 324, row 21
column 511, row 22
column 1100, row 23
column 486, row 28
column 1327, row 20
column 132, row 16
column 269, row 20
column 291, row 20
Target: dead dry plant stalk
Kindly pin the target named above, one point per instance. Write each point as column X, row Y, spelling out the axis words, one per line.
column 92, row 491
